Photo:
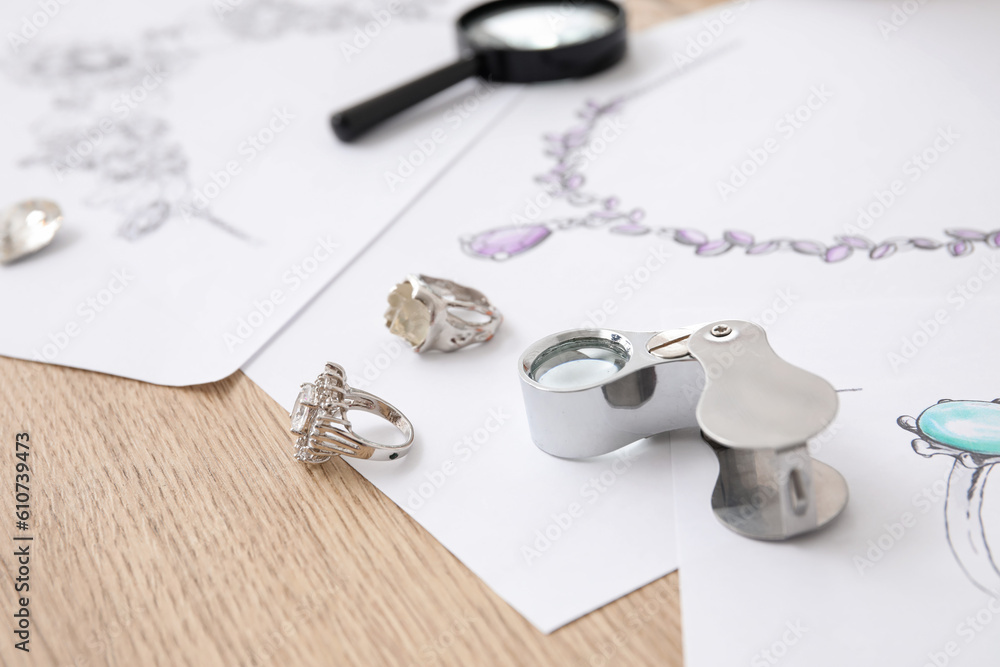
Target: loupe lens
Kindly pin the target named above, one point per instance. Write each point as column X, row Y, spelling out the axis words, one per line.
column 541, row 25
column 578, row 363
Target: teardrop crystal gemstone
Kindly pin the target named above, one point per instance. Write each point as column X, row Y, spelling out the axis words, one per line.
column 27, row 227
column 506, row 242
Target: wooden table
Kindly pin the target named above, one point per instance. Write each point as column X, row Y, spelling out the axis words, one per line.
column 171, row 527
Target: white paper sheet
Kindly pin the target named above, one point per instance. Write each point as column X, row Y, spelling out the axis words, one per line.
column 205, row 197
column 881, row 585
column 605, row 199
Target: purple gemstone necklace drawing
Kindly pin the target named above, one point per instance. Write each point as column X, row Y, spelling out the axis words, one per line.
column 571, row 151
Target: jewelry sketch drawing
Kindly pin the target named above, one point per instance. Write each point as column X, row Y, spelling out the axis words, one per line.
column 565, row 180
column 94, row 127
column 968, row 431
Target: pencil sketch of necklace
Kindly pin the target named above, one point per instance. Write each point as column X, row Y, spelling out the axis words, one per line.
column 103, row 122
column 574, row 149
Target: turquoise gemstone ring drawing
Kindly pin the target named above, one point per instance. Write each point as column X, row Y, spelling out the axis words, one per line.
column 968, row 431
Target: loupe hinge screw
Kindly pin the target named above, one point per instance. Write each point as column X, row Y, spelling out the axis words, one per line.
column 721, row 330
column 671, row 344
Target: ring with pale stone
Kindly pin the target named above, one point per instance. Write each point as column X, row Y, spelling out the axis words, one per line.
column 319, row 419
column 437, row 314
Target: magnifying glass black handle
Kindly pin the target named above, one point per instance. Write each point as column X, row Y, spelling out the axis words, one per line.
column 351, row 123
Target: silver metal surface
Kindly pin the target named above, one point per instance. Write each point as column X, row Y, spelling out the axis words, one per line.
column 772, row 494
column 320, row 420
column 670, row 344
column 753, row 397
column 588, row 392
column 648, row 395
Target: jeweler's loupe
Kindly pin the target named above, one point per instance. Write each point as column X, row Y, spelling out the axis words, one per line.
column 515, row 41
column 588, row 392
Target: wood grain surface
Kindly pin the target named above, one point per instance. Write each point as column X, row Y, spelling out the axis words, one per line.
column 172, row 527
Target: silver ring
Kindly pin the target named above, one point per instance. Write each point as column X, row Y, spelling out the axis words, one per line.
column 319, row 419
column 437, row 314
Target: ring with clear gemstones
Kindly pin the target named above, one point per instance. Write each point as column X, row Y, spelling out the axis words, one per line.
column 437, row 314
column 319, row 419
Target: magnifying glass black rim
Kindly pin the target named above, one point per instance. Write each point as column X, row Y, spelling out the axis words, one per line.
column 559, row 62
column 507, row 65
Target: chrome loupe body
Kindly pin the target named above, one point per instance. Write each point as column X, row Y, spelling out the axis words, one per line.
column 588, row 392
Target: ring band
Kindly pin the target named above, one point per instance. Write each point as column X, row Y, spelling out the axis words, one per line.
column 319, row 419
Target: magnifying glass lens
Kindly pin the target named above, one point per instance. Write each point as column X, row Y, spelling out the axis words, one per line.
column 578, row 363
column 536, row 26
column 515, row 41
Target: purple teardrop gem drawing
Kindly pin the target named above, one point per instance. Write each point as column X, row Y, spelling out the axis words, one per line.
column 838, row 253
column 858, row 242
column 882, row 251
column 631, row 229
column 505, row 242
column 965, row 234
column 690, row 237
column 736, row 237
column 763, row 248
column 993, row 239
column 713, row 248
column 959, row 248
column 808, row 247
column 925, row 244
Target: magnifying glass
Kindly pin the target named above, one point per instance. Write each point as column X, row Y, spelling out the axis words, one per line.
column 589, row 392
column 515, row 41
